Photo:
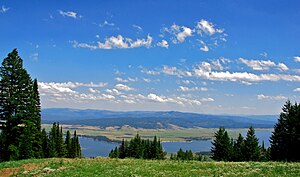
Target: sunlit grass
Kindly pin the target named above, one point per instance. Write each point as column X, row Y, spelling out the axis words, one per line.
column 138, row 167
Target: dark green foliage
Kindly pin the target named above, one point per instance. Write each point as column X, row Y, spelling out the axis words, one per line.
column 45, row 144
column 181, row 155
column 238, row 147
column 238, row 150
column 19, row 106
column 75, row 149
column 222, row 146
column 138, row 148
column 68, row 144
column 251, row 150
column 285, row 140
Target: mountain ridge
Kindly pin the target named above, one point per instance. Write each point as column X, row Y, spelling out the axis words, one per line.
column 151, row 119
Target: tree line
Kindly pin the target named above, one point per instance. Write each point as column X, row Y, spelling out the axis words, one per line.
column 284, row 141
column 139, row 148
column 225, row 148
column 21, row 136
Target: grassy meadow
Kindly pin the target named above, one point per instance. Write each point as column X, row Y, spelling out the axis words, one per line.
column 164, row 134
column 137, row 167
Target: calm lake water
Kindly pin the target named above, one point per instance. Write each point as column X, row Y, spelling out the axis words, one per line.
column 92, row 147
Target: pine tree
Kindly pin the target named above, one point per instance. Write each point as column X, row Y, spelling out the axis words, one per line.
column 222, row 146
column 68, row 144
column 122, row 150
column 251, row 148
column 237, row 148
column 16, row 98
column 45, row 144
column 285, row 140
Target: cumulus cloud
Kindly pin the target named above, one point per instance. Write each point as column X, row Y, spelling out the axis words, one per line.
column 206, row 27
column 123, row 87
column 204, row 47
column 121, row 79
column 176, row 100
column 94, row 90
column 118, row 42
column 262, row 65
column 4, row 9
column 163, row 44
column 180, row 33
column 113, row 91
column 69, row 14
column 265, row 97
column 282, row 67
column 297, row 58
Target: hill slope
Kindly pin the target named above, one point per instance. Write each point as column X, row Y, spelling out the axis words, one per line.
column 138, row 167
column 152, row 119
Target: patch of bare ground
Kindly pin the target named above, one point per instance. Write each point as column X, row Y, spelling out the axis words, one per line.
column 6, row 172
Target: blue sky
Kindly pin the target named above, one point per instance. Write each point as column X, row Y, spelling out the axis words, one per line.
column 216, row 57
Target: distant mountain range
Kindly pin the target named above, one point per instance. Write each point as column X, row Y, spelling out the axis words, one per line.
column 153, row 119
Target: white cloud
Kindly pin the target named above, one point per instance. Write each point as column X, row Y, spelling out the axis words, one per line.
column 188, row 82
column 108, row 97
column 176, row 100
column 137, row 27
column 207, row 27
column 258, row 64
column 113, row 91
column 263, row 65
column 163, row 44
column 69, row 14
column 265, row 97
column 149, row 72
column 157, row 98
column 172, row 70
column 106, row 23
column 282, row 67
column 207, row 100
column 180, row 33
column 187, row 89
column 264, row 54
column 297, row 90
column 94, row 90
column 4, row 9
column 186, row 32
column 123, row 87
column 121, row 80
column 118, row 42
column 297, row 58
column 204, row 47
column 76, row 44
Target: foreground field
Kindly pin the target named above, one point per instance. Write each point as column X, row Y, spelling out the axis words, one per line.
column 131, row 167
column 126, row 132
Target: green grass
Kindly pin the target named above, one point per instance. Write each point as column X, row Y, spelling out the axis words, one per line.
column 163, row 134
column 133, row 167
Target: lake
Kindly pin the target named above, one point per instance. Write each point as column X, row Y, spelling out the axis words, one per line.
column 93, row 147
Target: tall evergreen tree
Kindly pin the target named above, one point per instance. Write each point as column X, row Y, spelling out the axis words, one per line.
column 222, row 146
column 68, row 144
column 45, row 144
column 285, row 140
column 17, row 108
column 251, row 150
column 238, row 148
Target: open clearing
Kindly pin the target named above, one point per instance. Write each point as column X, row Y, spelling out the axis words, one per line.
column 126, row 132
column 138, row 167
